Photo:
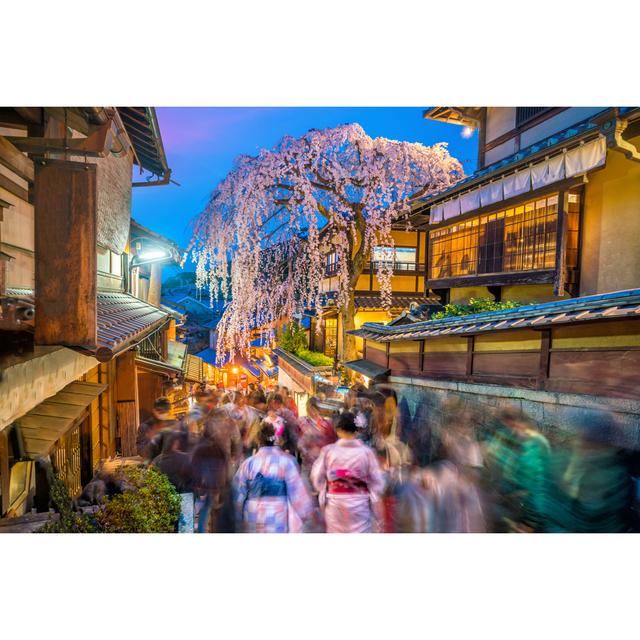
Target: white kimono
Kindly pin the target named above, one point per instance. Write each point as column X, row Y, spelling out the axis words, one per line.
column 354, row 462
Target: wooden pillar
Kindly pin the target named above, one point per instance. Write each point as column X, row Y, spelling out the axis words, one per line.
column 65, row 249
column 421, row 359
column 127, row 402
column 561, row 246
column 545, row 355
column 417, row 263
column 171, row 330
column 470, row 346
column 155, row 284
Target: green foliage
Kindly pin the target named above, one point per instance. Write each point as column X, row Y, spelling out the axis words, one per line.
column 70, row 521
column 476, row 305
column 150, row 504
column 294, row 338
column 314, row 358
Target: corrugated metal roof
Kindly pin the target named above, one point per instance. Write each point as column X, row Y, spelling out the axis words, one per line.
column 122, row 320
column 618, row 304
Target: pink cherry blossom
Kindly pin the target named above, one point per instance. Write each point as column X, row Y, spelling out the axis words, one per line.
column 261, row 242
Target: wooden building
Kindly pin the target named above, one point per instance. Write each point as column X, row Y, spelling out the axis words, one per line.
column 70, row 329
column 408, row 288
column 548, row 220
column 550, row 212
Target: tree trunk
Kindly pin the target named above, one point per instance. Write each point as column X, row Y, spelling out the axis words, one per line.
column 347, row 317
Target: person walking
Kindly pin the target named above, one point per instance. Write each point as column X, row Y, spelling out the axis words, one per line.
column 316, row 432
column 209, row 477
column 349, row 481
column 160, row 420
column 269, row 494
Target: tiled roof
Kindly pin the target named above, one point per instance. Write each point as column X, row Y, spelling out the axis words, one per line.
column 372, row 300
column 619, row 304
column 367, row 368
column 122, row 320
column 398, row 301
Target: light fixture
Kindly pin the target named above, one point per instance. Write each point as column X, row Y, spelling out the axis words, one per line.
column 152, row 254
column 149, row 254
column 467, row 132
column 234, row 371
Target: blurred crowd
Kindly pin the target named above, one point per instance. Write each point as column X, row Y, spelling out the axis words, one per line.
column 255, row 465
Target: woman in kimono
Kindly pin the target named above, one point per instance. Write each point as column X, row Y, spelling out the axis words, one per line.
column 349, row 481
column 269, row 494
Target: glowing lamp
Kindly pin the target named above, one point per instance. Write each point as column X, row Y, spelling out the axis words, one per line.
column 467, row 132
column 152, row 254
column 234, row 371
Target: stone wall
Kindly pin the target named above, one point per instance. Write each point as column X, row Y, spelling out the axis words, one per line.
column 561, row 414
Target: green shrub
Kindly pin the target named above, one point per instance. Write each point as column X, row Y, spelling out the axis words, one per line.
column 475, row 305
column 70, row 521
column 150, row 504
column 293, row 338
column 314, row 358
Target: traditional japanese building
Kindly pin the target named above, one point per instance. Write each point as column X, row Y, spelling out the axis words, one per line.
column 70, row 327
column 407, row 283
column 549, row 220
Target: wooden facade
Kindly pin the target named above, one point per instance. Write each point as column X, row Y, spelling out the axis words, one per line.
column 65, row 207
column 600, row 358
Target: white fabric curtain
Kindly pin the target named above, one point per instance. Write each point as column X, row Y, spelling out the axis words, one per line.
column 516, row 183
column 451, row 208
column 491, row 193
column 586, row 156
column 437, row 214
column 470, row 201
column 547, row 172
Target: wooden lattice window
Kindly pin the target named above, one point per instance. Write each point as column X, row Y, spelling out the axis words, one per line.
column 525, row 114
column 521, row 238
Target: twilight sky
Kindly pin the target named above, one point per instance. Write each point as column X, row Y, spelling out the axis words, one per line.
column 202, row 143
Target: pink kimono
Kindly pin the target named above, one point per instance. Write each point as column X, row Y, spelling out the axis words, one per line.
column 349, row 481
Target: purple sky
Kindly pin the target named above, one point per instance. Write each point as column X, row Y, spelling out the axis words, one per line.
column 202, row 143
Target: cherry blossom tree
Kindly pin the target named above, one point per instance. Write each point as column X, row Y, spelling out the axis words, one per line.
column 261, row 242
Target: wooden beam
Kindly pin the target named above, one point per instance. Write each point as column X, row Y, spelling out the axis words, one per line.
column 12, row 187
column 15, row 160
column 65, row 244
column 32, row 115
column 495, row 279
column 97, row 144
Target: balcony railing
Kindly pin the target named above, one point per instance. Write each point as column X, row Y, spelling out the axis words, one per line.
column 399, row 268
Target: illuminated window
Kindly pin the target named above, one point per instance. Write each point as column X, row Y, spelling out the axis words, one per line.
column 332, row 263
column 521, row 238
column 403, row 257
column 330, row 337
